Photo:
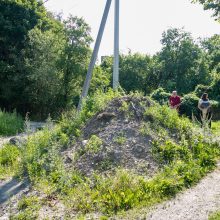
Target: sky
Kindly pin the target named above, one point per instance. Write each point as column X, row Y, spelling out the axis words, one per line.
column 142, row 22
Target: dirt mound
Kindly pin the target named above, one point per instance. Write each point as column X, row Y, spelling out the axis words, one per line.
column 112, row 139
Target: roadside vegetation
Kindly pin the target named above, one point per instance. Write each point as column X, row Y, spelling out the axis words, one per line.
column 42, row 72
column 183, row 154
column 215, row 216
column 10, row 123
column 216, row 127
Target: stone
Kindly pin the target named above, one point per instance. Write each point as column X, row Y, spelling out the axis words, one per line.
column 84, row 143
column 17, row 141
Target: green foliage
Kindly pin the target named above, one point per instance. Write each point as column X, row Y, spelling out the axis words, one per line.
column 28, row 209
column 200, row 89
column 93, row 146
column 216, row 127
column 213, row 5
column 189, row 105
column 160, row 96
column 183, row 160
column 9, row 160
column 17, row 18
column 10, row 123
column 40, row 155
column 120, row 139
column 133, row 71
column 169, row 118
column 215, row 216
column 73, row 121
column 169, row 152
column 184, row 63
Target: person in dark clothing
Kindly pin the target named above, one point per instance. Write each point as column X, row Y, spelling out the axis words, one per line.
column 205, row 112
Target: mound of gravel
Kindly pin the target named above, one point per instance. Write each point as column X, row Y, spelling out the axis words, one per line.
column 122, row 144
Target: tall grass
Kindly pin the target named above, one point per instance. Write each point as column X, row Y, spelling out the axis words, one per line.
column 10, row 123
column 9, row 160
column 216, row 127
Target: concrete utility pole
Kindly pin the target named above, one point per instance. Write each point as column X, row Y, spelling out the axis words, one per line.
column 94, row 54
column 116, row 46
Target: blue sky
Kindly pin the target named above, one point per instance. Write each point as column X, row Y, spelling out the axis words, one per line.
column 141, row 21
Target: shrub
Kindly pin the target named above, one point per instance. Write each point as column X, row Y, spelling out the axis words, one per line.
column 93, row 146
column 215, row 216
column 72, row 122
column 170, row 151
column 200, row 89
column 169, row 119
column 10, row 123
column 189, row 105
column 160, row 96
column 9, row 160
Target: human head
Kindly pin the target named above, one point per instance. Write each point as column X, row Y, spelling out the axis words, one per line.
column 204, row 96
column 174, row 93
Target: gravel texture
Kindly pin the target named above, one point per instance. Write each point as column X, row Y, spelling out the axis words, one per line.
column 196, row 203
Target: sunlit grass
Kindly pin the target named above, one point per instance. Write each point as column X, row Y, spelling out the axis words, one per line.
column 215, row 216
column 10, row 123
column 216, row 127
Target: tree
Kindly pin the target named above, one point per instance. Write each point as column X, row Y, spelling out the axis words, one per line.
column 74, row 58
column 134, row 69
column 213, row 5
column 43, row 77
column 212, row 47
column 17, row 18
column 56, row 63
column 184, row 62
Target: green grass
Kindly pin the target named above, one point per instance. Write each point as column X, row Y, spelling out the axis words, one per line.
column 216, row 127
column 184, row 156
column 9, row 160
column 10, row 123
column 28, row 209
column 215, row 216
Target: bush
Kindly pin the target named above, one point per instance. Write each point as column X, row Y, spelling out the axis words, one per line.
column 216, row 89
column 10, row 123
column 9, row 160
column 215, row 216
column 200, row 89
column 169, row 119
column 189, row 105
column 160, row 96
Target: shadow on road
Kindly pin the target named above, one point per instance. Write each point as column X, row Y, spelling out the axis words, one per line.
column 11, row 188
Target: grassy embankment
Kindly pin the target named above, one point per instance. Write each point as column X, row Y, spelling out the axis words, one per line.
column 184, row 155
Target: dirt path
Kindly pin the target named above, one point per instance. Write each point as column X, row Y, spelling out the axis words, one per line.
column 196, row 203
column 10, row 192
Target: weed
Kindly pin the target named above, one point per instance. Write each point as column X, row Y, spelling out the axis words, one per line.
column 93, row 146
column 9, row 160
column 10, row 123
column 28, row 209
column 120, row 139
column 215, row 216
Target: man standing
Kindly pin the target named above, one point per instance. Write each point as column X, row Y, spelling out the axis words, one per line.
column 174, row 101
